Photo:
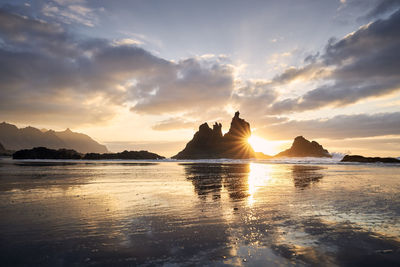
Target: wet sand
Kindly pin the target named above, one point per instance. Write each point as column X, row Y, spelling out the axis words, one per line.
column 190, row 213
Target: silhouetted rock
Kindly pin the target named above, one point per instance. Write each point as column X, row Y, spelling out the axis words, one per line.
column 209, row 143
column 357, row 158
column 124, row 155
column 45, row 153
column 304, row 176
column 301, row 147
column 208, row 179
column 29, row 137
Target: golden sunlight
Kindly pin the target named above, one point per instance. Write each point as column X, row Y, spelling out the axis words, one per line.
column 259, row 176
column 262, row 145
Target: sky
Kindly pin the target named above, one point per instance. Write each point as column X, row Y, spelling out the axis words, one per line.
column 145, row 74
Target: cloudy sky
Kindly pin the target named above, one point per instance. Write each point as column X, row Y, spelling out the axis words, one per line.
column 145, row 74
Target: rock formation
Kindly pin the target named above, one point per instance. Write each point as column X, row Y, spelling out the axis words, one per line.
column 124, row 155
column 30, row 137
column 45, row 153
column 357, row 158
column 209, row 143
column 301, row 147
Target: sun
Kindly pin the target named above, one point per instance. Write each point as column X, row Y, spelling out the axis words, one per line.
column 261, row 145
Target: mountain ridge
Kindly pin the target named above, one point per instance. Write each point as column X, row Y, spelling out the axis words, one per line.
column 14, row 138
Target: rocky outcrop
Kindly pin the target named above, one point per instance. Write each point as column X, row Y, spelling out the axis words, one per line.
column 357, row 158
column 209, row 143
column 45, row 153
column 124, row 155
column 30, row 137
column 301, row 147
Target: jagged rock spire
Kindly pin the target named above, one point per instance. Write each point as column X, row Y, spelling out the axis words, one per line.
column 210, row 143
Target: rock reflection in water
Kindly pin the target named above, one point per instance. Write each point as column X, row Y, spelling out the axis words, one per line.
column 209, row 179
column 304, row 176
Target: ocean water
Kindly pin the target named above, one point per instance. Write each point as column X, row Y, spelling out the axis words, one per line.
column 300, row 212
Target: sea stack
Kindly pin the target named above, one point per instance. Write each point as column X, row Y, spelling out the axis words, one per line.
column 301, row 147
column 209, row 143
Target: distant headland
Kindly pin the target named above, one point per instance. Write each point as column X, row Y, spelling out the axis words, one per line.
column 13, row 139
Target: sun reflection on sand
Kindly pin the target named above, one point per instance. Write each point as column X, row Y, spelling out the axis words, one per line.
column 260, row 175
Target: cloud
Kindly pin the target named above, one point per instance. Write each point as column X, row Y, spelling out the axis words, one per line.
column 173, row 124
column 70, row 12
column 363, row 64
column 25, row 34
column 381, row 8
column 127, row 41
column 184, row 86
column 48, row 71
column 253, row 97
column 338, row 127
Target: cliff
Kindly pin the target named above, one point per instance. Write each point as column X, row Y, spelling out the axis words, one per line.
column 209, row 143
column 301, row 147
column 16, row 139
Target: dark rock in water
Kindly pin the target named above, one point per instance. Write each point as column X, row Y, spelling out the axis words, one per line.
column 357, row 158
column 301, row 147
column 209, row 143
column 124, row 155
column 45, row 153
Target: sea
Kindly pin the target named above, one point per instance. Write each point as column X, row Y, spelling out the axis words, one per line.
column 287, row 212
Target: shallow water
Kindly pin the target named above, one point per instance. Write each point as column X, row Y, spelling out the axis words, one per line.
column 124, row 213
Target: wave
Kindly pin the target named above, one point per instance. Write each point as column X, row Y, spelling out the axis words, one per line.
column 336, row 158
